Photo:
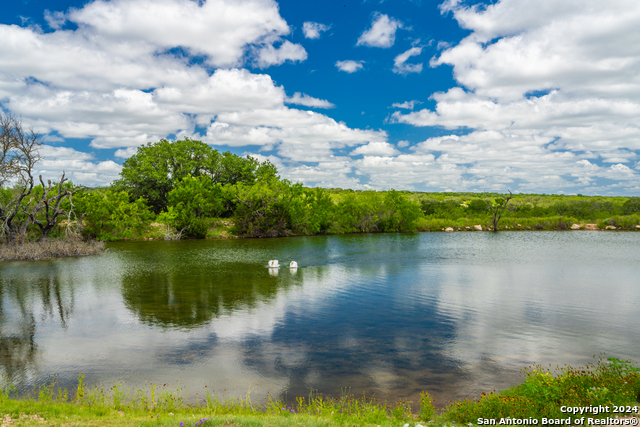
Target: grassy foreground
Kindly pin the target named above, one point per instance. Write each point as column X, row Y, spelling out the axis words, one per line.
column 611, row 384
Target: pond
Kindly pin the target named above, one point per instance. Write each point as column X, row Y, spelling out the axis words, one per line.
column 386, row 314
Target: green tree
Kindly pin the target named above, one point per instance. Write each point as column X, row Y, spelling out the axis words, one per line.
column 267, row 171
column 191, row 202
column 320, row 211
column 268, row 208
column 631, row 206
column 429, row 206
column 232, row 169
column 359, row 213
column 400, row 213
column 497, row 209
column 279, row 208
column 478, row 206
column 109, row 215
column 155, row 170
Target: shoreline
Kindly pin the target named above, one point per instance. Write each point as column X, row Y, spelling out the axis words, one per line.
column 49, row 249
column 63, row 248
column 583, row 227
column 612, row 387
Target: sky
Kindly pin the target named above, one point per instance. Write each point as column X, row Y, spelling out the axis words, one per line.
column 532, row 96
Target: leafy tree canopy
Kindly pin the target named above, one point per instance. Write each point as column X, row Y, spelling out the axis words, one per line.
column 157, row 168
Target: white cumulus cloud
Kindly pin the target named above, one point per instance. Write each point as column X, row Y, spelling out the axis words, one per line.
column 269, row 55
column 349, row 66
column 408, row 105
column 382, row 32
column 123, row 77
column 376, row 149
column 312, row 30
column 543, row 86
column 78, row 167
column 220, row 29
column 308, row 101
column 400, row 65
column 55, row 20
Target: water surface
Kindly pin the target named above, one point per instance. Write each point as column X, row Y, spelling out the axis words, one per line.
column 390, row 314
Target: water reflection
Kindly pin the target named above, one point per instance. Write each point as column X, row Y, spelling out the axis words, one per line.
column 26, row 298
column 453, row 314
column 191, row 298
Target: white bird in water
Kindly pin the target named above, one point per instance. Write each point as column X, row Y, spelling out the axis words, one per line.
column 293, row 264
column 274, row 263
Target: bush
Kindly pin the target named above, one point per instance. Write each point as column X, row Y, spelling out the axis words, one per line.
column 627, row 222
column 478, row 206
column 267, row 209
column 109, row 215
column 429, row 207
column 427, row 410
column 631, row 206
column 192, row 201
column 543, row 393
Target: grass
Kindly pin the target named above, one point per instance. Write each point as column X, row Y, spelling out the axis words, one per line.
column 50, row 249
column 543, row 393
column 609, row 383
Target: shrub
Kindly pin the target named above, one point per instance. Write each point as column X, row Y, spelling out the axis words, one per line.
column 543, row 393
column 109, row 215
column 631, row 206
column 427, row 410
column 478, row 206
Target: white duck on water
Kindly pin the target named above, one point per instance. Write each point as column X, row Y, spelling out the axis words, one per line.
column 274, row 263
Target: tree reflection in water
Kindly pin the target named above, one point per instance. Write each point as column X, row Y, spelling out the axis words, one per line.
column 24, row 298
column 189, row 298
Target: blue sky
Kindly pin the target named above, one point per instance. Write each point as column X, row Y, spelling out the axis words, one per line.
column 533, row 96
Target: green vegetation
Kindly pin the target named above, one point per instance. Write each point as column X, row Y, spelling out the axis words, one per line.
column 525, row 211
column 171, row 190
column 159, row 168
column 542, row 395
column 187, row 189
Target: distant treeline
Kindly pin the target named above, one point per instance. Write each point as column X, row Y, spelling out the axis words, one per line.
column 531, row 206
column 188, row 189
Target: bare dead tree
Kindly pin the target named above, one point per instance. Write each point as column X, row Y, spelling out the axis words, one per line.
column 497, row 208
column 19, row 152
column 73, row 229
column 51, row 206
